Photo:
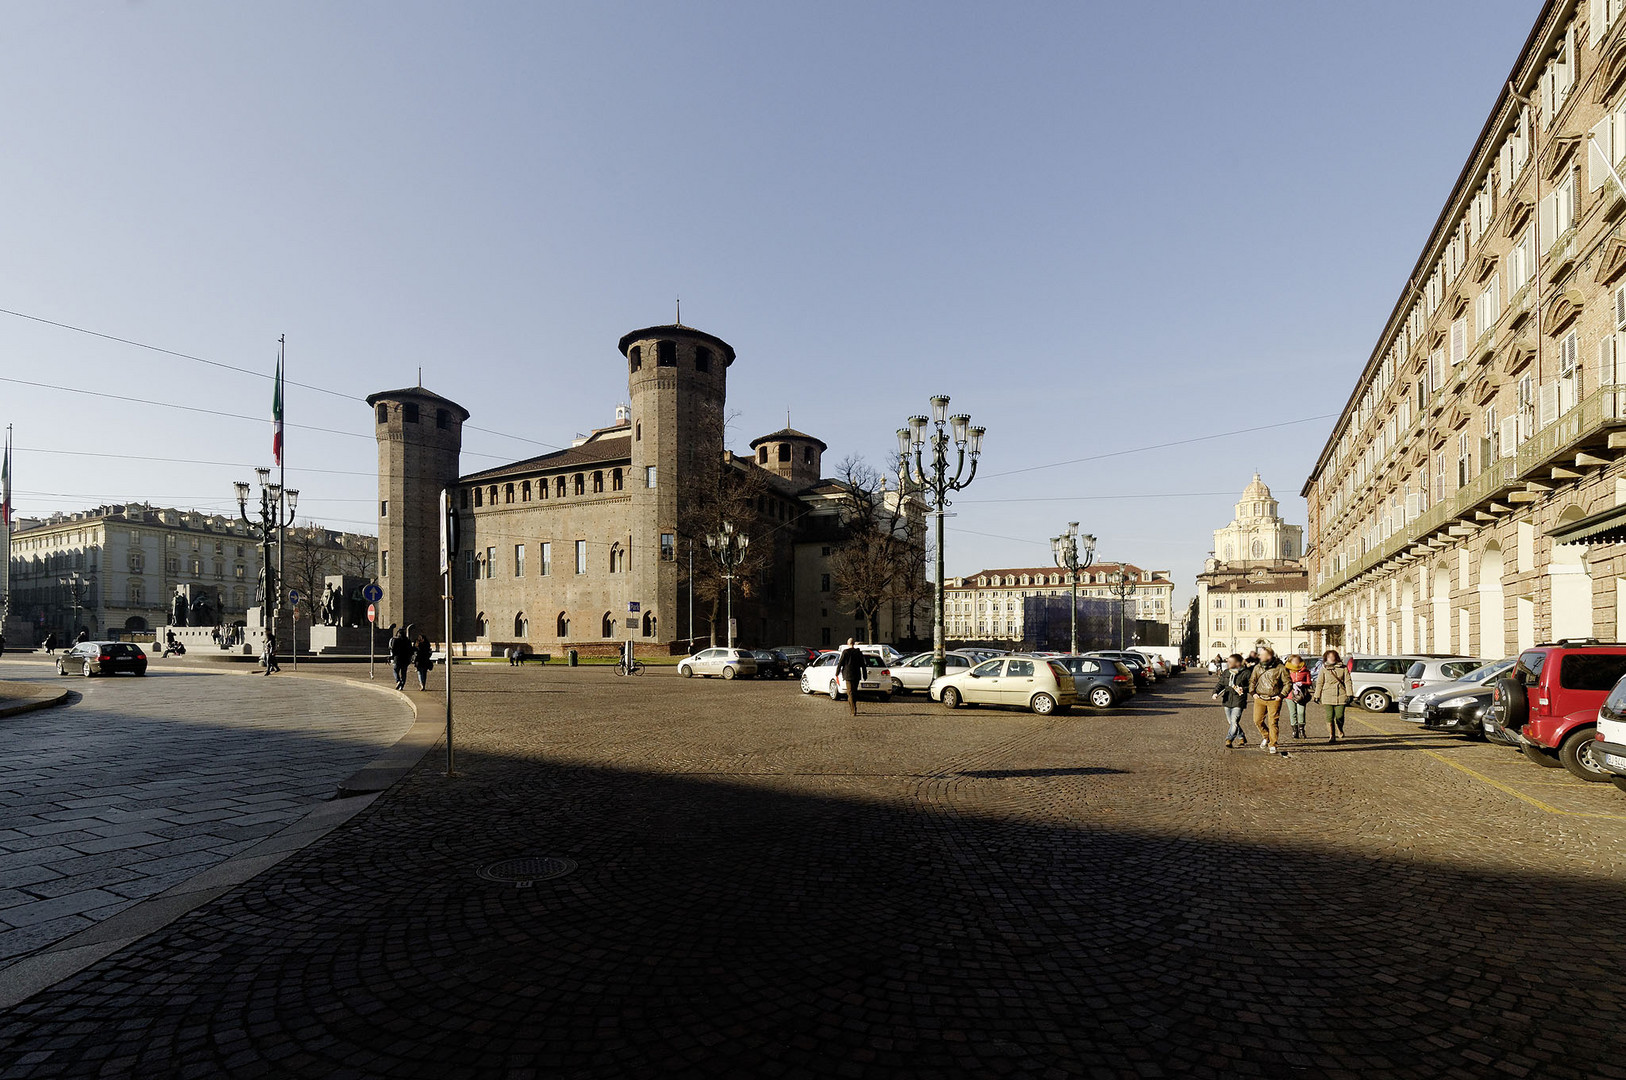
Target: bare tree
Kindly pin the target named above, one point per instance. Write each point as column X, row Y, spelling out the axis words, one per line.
column 311, row 556
column 725, row 489
column 358, row 556
column 881, row 560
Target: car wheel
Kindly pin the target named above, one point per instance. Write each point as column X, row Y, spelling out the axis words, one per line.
column 61, row 668
column 87, row 669
column 1043, row 704
column 729, row 673
column 834, row 691
column 1101, row 697
column 1375, row 701
column 897, row 686
column 686, row 671
column 142, row 670
column 951, row 697
column 1576, row 755
column 806, row 689
column 1541, row 756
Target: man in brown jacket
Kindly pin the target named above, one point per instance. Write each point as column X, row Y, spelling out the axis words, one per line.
column 1268, row 687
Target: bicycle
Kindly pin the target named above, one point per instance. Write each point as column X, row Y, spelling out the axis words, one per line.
column 624, row 668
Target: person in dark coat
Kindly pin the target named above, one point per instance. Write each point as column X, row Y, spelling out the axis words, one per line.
column 1232, row 693
column 853, row 665
column 400, row 657
column 423, row 658
column 84, row 636
column 50, row 643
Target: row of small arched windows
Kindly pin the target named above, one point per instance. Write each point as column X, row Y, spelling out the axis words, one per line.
column 609, row 626
column 666, row 356
column 524, row 490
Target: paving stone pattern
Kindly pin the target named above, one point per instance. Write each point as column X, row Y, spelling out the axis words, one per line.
column 765, row 887
column 146, row 781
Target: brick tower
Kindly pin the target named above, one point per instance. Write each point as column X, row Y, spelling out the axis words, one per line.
column 420, row 436
column 678, row 379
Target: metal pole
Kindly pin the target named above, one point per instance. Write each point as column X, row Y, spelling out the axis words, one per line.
column 1073, row 611
column 691, row 596
column 938, row 661
column 448, row 598
column 372, row 644
column 728, row 584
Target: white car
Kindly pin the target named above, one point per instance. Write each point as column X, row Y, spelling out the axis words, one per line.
column 1026, row 682
column 915, row 673
column 729, row 663
column 821, row 676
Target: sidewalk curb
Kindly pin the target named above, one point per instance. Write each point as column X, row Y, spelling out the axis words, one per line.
column 17, row 697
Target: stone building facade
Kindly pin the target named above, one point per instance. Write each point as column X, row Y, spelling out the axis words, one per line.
column 1466, row 499
column 1254, row 588
column 990, row 604
column 587, row 547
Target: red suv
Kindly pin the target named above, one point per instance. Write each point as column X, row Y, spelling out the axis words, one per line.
column 1548, row 704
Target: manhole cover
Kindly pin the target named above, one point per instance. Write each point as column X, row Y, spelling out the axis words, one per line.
column 527, row 869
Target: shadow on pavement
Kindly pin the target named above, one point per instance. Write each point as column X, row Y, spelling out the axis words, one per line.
column 718, row 928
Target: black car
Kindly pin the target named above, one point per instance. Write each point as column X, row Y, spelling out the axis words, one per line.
column 799, row 655
column 1462, row 713
column 773, row 664
column 1100, row 680
column 102, row 658
column 1136, row 665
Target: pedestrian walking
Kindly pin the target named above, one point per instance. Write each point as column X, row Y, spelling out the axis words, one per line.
column 851, row 666
column 1232, row 693
column 423, row 658
column 2, row 644
column 1268, row 686
column 1298, row 693
column 84, row 636
column 269, row 656
column 50, row 643
column 1332, row 691
column 400, row 657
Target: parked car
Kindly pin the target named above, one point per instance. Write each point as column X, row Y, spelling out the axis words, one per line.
column 102, row 658
column 1143, row 675
column 1043, row 686
column 1099, row 680
column 1158, row 665
column 821, row 676
column 799, row 655
column 1378, row 681
column 1609, row 749
column 1437, row 672
column 916, row 672
column 729, row 663
column 772, row 664
column 1414, row 704
column 1548, row 704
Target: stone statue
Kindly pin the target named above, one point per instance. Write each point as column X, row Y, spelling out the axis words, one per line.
column 177, row 609
column 202, row 614
column 333, row 606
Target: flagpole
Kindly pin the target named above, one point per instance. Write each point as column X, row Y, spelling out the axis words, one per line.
column 282, row 484
column 5, row 500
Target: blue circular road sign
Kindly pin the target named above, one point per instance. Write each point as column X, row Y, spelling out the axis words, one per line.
column 372, row 594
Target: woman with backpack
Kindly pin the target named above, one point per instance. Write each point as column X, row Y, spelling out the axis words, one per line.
column 1298, row 693
column 1332, row 690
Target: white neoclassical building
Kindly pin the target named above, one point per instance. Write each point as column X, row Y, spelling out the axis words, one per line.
column 1254, row 589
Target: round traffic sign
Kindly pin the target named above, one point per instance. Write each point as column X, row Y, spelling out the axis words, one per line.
column 372, row 613
column 372, row 594
column 293, row 596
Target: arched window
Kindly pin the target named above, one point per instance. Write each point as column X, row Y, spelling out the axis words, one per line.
column 618, row 559
column 524, row 491
column 635, row 357
column 562, row 625
column 608, row 626
column 491, row 494
column 480, row 625
column 649, row 624
column 580, row 484
column 784, row 451
column 762, row 455
column 508, row 493
column 559, row 487
column 702, row 358
column 807, row 455
column 542, row 488
column 522, row 626
column 638, row 431
column 598, row 481
column 479, row 497
column 383, row 413
column 616, row 480
column 666, row 354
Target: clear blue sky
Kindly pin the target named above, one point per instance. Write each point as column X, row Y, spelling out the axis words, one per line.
column 1098, row 227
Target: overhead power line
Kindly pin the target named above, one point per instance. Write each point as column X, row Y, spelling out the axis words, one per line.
column 1163, row 446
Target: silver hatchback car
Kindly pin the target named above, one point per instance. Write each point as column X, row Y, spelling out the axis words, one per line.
column 729, row 663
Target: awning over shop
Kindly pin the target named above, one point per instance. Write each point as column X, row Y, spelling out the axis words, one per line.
column 1604, row 527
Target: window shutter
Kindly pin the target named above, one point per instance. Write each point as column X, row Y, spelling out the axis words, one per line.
column 1600, row 153
column 1545, row 219
column 1620, row 308
column 1547, row 405
column 1606, row 361
column 1596, row 22
column 1459, row 341
column 1510, row 436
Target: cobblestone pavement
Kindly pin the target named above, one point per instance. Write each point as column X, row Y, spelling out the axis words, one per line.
column 144, row 782
column 754, row 884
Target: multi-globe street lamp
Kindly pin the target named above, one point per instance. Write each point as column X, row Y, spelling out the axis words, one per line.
column 276, row 513
column 728, row 547
column 929, row 472
column 77, row 587
column 1073, row 553
column 1121, row 585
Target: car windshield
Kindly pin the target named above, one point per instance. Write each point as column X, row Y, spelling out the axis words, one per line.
column 1488, row 671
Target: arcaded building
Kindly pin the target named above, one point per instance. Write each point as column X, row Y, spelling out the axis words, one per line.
column 592, row 545
column 1471, row 498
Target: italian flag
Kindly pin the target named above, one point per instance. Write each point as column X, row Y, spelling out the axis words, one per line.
column 276, row 417
column 5, row 488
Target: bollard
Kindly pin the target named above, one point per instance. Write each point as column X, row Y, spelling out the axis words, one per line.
column 571, row 657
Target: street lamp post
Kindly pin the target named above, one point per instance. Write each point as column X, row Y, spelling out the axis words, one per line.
column 277, row 507
column 1122, row 586
column 931, row 477
column 728, row 548
column 76, row 587
column 1073, row 553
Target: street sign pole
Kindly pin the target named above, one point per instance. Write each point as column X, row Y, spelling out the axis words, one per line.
column 293, row 637
column 448, row 552
column 372, row 637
